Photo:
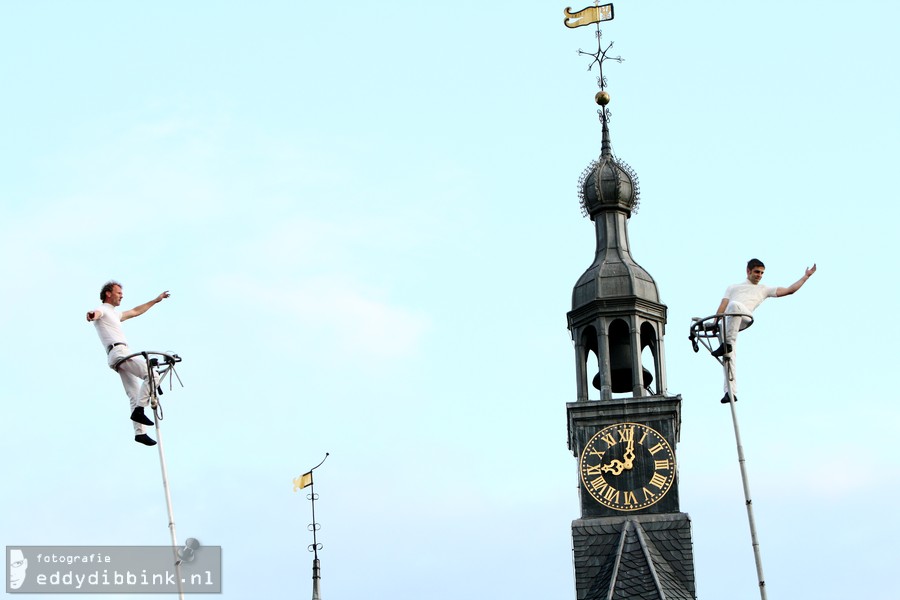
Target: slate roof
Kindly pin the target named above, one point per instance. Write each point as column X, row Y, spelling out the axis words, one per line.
column 639, row 558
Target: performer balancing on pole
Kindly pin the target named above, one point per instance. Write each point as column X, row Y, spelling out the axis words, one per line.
column 743, row 298
column 134, row 373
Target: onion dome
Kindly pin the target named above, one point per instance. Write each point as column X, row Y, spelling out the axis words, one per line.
column 608, row 183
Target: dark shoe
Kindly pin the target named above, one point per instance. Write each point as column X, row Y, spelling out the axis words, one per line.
column 138, row 416
column 725, row 400
column 722, row 350
column 145, row 440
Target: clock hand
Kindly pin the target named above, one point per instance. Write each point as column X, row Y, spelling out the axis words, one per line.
column 629, row 455
column 615, row 467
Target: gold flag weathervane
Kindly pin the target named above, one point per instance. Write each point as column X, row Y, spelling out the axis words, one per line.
column 586, row 16
column 306, row 479
column 303, row 481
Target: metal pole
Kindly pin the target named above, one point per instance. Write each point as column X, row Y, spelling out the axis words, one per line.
column 314, row 526
column 316, row 574
column 729, row 378
column 165, row 478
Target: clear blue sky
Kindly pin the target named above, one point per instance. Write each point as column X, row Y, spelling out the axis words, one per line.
column 366, row 214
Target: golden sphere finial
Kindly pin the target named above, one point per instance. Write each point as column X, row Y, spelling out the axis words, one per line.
column 602, row 97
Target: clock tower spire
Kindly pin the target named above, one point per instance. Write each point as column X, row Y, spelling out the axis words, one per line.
column 631, row 540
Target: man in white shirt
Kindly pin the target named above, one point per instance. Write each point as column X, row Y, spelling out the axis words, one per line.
column 743, row 298
column 135, row 378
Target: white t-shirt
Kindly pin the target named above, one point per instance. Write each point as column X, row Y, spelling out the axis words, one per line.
column 749, row 294
column 109, row 326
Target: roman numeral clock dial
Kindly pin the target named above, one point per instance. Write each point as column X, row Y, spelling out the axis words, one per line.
column 627, row 466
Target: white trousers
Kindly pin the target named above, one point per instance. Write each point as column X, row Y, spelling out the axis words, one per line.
column 134, row 379
column 732, row 326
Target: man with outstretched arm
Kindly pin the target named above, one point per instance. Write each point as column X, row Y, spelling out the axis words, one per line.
column 743, row 298
column 135, row 378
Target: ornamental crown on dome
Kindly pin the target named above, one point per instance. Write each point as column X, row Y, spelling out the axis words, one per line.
column 608, row 184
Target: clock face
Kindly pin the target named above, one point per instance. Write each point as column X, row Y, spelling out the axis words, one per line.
column 627, row 466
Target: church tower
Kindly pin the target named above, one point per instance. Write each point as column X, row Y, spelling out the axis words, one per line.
column 632, row 541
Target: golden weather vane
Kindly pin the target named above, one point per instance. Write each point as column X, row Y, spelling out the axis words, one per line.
column 587, row 16
column 594, row 15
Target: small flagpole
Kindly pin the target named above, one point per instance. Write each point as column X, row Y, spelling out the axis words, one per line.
column 314, row 526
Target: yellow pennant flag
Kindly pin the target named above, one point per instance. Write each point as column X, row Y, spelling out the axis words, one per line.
column 303, row 481
column 586, row 16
